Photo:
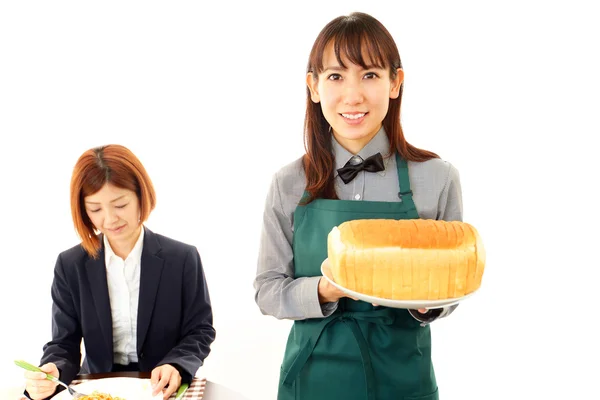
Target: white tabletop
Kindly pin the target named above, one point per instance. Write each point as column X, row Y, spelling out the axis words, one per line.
column 214, row 391
column 11, row 393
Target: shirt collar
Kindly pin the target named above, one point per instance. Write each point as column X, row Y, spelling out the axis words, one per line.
column 379, row 144
column 135, row 253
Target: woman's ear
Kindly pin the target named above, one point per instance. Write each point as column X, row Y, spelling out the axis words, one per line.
column 396, row 84
column 312, row 82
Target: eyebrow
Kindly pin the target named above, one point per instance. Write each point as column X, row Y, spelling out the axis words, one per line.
column 340, row 68
column 112, row 201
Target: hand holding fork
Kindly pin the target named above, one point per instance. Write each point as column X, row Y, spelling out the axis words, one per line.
column 41, row 381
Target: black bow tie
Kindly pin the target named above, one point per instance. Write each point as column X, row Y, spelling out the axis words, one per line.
column 371, row 164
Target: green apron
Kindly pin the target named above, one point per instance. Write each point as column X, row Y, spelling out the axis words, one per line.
column 360, row 352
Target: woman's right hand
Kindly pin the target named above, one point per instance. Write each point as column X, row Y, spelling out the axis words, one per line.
column 329, row 293
column 36, row 383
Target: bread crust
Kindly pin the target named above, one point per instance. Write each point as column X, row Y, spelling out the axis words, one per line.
column 415, row 259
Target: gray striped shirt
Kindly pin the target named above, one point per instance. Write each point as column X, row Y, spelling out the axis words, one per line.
column 436, row 192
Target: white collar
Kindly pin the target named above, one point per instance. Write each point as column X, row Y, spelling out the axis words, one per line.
column 135, row 253
column 378, row 144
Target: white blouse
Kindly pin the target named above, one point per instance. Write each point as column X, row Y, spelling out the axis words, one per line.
column 123, row 290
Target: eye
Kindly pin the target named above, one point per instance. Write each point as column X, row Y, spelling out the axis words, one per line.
column 334, row 77
column 371, row 75
column 122, row 206
column 94, row 211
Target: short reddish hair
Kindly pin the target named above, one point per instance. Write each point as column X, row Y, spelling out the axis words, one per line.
column 114, row 164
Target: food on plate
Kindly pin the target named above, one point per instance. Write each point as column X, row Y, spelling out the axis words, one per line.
column 415, row 259
column 100, row 396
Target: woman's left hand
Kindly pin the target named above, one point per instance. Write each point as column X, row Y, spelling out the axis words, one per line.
column 165, row 377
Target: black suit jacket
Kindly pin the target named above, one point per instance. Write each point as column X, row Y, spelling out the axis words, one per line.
column 174, row 323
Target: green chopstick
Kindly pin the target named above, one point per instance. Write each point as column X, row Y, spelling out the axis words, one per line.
column 181, row 391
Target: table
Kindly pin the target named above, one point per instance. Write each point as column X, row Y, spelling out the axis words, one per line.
column 200, row 388
column 194, row 392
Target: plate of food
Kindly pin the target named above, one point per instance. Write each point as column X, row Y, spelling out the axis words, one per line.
column 408, row 304
column 113, row 389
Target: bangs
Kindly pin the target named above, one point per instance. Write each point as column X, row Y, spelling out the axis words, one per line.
column 94, row 180
column 102, row 168
column 360, row 44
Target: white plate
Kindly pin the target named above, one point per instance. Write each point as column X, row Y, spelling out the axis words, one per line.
column 126, row 388
column 409, row 304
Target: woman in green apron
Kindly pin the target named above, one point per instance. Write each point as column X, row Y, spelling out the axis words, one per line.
column 357, row 165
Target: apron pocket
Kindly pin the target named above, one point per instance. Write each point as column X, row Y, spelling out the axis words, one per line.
column 431, row 396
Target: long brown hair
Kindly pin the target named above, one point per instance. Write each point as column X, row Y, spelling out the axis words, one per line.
column 351, row 35
column 114, row 164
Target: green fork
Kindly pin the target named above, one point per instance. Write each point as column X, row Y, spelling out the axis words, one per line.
column 31, row 367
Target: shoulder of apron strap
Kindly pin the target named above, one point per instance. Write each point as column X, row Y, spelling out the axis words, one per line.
column 403, row 179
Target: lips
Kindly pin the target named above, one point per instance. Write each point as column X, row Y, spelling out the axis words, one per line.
column 116, row 230
column 353, row 115
column 354, row 118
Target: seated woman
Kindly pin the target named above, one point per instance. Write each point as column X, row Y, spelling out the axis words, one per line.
column 138, row 299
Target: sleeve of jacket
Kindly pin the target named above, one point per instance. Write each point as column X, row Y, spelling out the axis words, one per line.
column 197, row 331
column 64, row 349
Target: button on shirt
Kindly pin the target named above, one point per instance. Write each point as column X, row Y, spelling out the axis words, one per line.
column 123, row 278
column 436, row 192
column 358, row 183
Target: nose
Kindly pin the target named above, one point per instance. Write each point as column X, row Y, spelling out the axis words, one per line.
column 110, row 216
column 353, row 93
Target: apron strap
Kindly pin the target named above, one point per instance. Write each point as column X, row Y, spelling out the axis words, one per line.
column 366, row 357
column 405, row 193
column 382, row 316
column 305, row 196
column 307, row 349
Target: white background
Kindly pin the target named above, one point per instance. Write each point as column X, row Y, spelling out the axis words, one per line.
column 210, row 96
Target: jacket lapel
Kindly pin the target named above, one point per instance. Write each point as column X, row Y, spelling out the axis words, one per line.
column 96, row 272
column 150, row 272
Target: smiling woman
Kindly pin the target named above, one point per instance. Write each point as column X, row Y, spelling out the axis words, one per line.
column 354, row 90
column 357, row 165
column 120, row 288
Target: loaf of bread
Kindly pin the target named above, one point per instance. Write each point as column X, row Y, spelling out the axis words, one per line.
column 414, row 259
